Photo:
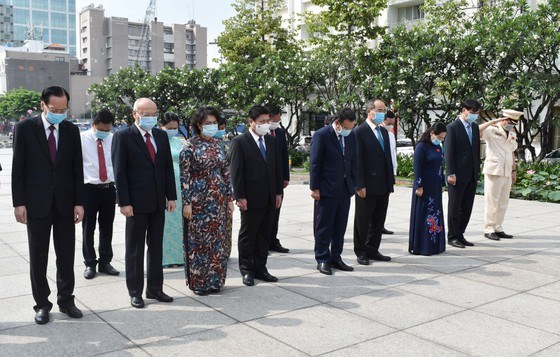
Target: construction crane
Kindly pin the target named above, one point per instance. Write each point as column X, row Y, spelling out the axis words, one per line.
column 143, row 57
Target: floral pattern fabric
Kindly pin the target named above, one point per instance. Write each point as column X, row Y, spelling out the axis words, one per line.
column 226, row 145
column 427, row 230
column 206, row 186
column 173, row 229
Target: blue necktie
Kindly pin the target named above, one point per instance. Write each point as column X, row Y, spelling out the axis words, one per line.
column 341, row 143
column 380, row 138
column 469, row 132
column 261, row 146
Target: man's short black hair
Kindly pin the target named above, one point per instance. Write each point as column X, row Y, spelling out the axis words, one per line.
column 273, row 109
column 256, row 111
column 346, row 114
column 56, row 91
column 390, row 114
column 471, row 104
column 104, row 116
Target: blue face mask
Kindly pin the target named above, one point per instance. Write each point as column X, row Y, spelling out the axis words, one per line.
column 101, row 134
column 435, row 141
column 209, row 130
column 172, row 133
column 344, row 132
column 472, row 117
column 147, row 123
column 220, row 134
column 55, row 118
column 379, row 117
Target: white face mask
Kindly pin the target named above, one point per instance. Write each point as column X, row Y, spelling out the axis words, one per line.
column 274, row 125
column 262, row 129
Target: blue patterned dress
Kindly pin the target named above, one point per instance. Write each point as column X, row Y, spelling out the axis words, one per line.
column 173, row 229
column 206, row 186
column 427, row 231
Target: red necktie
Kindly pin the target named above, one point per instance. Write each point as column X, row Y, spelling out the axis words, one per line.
column 150, row 147
column 101, row 157
column 273, row 133
column 52, row 143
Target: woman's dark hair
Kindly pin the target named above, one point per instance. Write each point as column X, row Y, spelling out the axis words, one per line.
column 104, row 116
column 437, row 128
column 222, row 121
column 200, row 116
column 168, row 117
column 56, row 91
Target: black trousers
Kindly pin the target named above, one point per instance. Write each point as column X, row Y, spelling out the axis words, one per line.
column 99, row 204
column 369, row 220
column 274, row 241
column 144, row 229
column 459, row 209
column 64, row 240
column 330, row 221
column 253, row 239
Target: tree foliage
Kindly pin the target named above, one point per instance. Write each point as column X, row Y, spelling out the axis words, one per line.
column 17, row 102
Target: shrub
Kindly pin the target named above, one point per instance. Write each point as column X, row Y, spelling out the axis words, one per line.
column 298, row 157
column 405, row 166
column 537, row 182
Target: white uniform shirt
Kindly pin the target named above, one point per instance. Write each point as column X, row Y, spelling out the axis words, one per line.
column 499, row 151
column 393, row 146
column 91, row 160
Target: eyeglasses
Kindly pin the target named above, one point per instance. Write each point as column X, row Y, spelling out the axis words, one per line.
column 156, row 114
column 57, row 111
column 383, row 111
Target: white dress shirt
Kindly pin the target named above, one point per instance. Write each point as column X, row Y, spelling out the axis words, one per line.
column 143, row 132
column 256, row 137
column 47, row 126
column 337, row 135
column 393, row 146
column 91, row 160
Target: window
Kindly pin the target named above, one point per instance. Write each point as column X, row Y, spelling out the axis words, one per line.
column 169, row 64
column 71, row 6
column 21, row 16
column 40, row 18
column 58, row 5
column 59, row 59
column 40, row 4
column 59, row 36
column 22, row 3
column 58, row 20
column 71, row 21
column 168, row 48
column 71, row 37
column 19, row 32
column 410, row 13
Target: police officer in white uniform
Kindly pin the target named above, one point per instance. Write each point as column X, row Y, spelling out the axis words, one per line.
column 499, row 170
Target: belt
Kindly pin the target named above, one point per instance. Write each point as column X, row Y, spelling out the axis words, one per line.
column 102, row 186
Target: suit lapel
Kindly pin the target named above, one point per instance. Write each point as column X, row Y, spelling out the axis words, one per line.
column 42, row 137
column 334, row 139
column 139, row 139
column 253, row 144
column 463, row 130
column 159, row 143
column 61, row 142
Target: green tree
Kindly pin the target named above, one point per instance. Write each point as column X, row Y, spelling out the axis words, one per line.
column 17, row 102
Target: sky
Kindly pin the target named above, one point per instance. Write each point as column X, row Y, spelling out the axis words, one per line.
column 207, row 13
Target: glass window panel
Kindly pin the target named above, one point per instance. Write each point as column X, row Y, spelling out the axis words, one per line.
column 40, row 4
column 401, row 14
column 71, row 21
column 19, row 32
column 59, row 36
column 21, row 16
column 40, row 18
column 58, row 20
column 22, row 3
column 72, row 50
column 58, row 5
column 71, row 37
column 72, row 6
column 409, row 13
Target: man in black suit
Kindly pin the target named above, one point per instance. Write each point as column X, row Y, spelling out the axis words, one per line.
column 277, row 132
column 47, row 192
column 145, row 181
column 462, row 162
column 256, row 175
column 333, row 173
column 374, row 184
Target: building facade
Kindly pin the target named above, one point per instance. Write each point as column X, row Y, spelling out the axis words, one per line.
column 51, row 21
column 108, row 44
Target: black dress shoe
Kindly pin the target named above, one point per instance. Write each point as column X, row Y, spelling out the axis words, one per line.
column 42, row 316
column 380, row 257
column 455, row 243
column 504, row 235
column 266, row 277
column 278, row 248
column 492, row 236
column 137, row 302
column 386, row 231
column 214, row 290
column 324, row 268
column 363, row 261
column 108, row 269
column 200, row 292
column 342, row 266
column 159, row 296
column 465, row 242
column 248, row 280
column 71, row 311
column 89, row 273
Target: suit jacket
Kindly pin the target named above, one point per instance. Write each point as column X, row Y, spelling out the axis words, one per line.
column 375, row 165
column 142, row 184
column 36, row 181
column 283, row 151
column 332, row 172
column 252, row 177
column 461, row 158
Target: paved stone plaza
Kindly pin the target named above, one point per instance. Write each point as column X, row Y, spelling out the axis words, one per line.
column 495, row 299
